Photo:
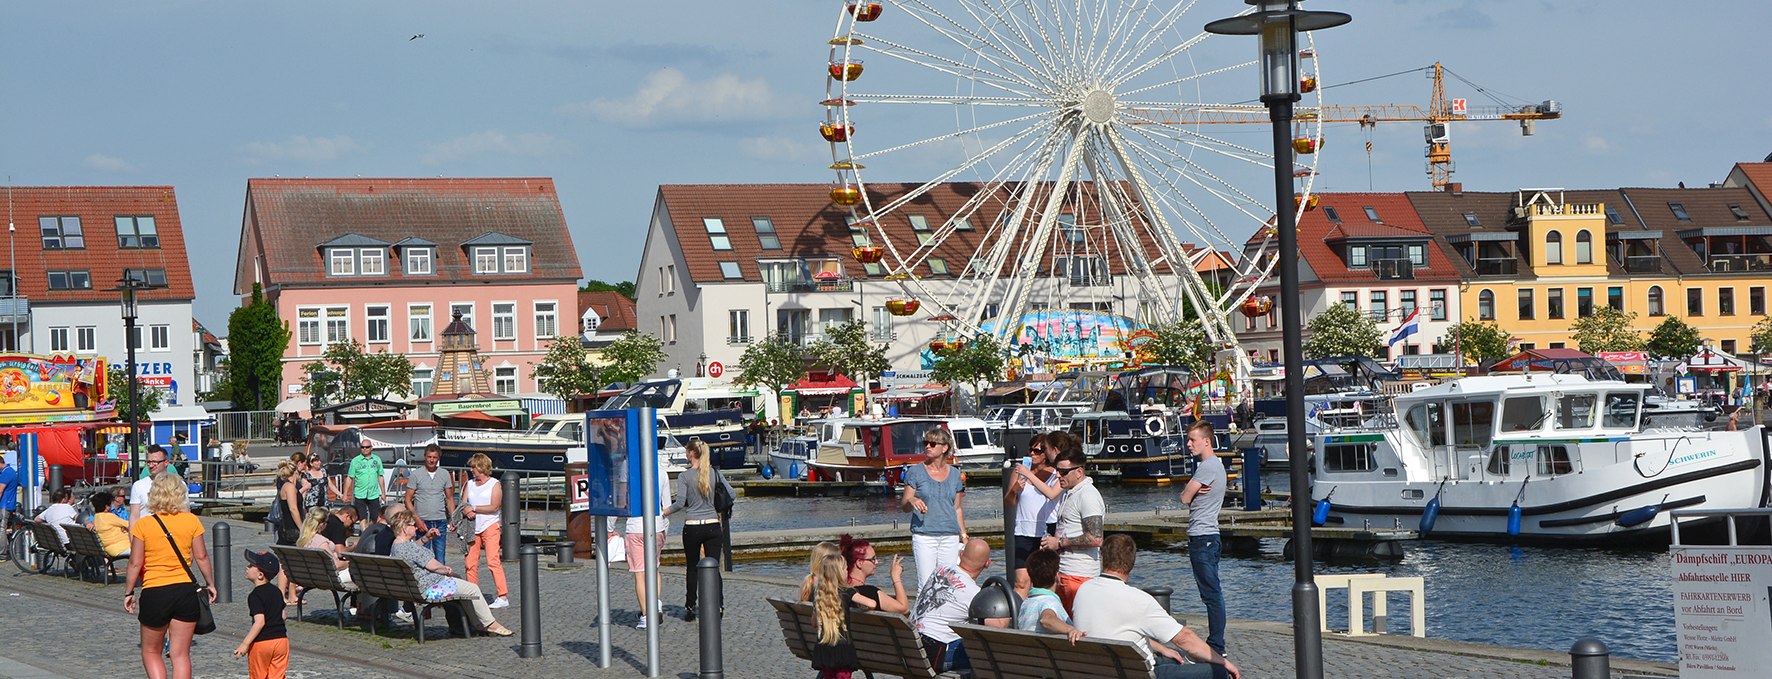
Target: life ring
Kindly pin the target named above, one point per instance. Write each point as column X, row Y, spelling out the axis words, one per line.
column 1155, row 426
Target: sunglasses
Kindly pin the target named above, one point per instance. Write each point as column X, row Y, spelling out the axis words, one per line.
column 927, row 444
column 1065, row 470
column 871, row 559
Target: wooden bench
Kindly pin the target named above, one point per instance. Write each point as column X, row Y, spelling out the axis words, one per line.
column 314, row 569
column 885, row 644
column 89, row 553
column 48, row 552
column 1015, row 654
column 386, row 577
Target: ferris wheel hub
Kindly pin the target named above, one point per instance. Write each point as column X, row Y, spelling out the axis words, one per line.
column 1098, row 107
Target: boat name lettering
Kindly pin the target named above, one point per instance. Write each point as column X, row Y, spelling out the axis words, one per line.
column 1693, row 457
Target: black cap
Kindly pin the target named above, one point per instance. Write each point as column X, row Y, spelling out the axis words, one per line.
column 265, row 561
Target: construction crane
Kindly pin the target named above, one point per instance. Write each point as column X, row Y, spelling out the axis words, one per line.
column 1439, row 113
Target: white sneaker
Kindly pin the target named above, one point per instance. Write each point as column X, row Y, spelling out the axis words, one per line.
column 641, row 624
column 403, row 616
column 500, row 602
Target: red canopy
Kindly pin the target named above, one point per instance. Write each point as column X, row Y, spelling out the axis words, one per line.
column 823, row 384
column 477, row 416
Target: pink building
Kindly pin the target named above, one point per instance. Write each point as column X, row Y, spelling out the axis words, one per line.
column 388, row 262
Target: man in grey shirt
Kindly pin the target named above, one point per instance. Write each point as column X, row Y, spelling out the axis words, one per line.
column 430, row 495
column 1204, row 497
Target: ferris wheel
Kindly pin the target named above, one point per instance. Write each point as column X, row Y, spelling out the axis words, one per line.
column 1092, row 136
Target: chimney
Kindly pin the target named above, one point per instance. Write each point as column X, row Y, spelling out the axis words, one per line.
column 1455, row 188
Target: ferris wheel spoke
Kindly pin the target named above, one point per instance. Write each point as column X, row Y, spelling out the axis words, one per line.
column 1010, row 20
column 974, row 38
column 1122, row 22
column 956, row 135
column 955, row 100
column 1183, row 135
column 1192, row 173
column 1011, row 84
column 1066, row 46
column 1153, row 35
column 1121, row 96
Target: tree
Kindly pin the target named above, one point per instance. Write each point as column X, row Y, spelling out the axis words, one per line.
column 1674, row 338
column 845, row 349
column 346, row 373
column 623, row 288
column 1607, row 329
column 566, row 371
column 632, row 357
column 1760, row 340
column 117, row 382
column 774, row 362
column 973, row 362
column 256, row 342
column 1478, row 341
column 1341, row 331
column 1183, row 343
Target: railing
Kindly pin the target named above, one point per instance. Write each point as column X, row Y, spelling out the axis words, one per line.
column 1641, row 264
column 12, row 308
column 746, row 339
column 246, row 425
column 1393, row 269
column 1758, row 262
column 834, row 285
column 1490, row 266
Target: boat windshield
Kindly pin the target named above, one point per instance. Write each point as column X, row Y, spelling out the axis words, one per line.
column 1621, row 410
column 659, row 395
column 1576, row 411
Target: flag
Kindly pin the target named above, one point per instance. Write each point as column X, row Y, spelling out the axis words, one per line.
column 1411, row 325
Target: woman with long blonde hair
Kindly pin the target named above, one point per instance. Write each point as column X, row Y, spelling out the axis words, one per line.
column 834, row 654
column 312, row 538
column 819, row 552
column 482, row 500
column 701, row 529
column 160, row 546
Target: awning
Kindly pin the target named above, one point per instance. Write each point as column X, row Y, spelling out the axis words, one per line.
column 1634, row 235
column 1715, row 231
column 179, row 414
column 295, row 404
column 917, row 393
column 1005, row 391
column 475, row 416
column 1482, row 237
column 822, row 384
column 1711, row 360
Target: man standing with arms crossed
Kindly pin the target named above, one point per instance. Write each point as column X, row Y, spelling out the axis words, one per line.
column 1081, row 514
column 430, row 496
column 363, row 482
column 1204, row 497
column 155, row 460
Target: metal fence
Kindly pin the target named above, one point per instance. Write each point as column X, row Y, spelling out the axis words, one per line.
column 246, row 425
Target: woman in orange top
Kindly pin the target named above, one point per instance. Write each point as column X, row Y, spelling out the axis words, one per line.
column 168, row 600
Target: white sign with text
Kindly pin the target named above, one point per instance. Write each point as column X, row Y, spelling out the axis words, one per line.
column 1722, row 612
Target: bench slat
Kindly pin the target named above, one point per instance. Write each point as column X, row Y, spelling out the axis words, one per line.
column 885, row 644
column 1015, row 654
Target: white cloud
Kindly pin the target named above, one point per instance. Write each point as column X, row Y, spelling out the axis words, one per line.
column 491, row 142
column 301, row 149
column 668, row 97
column 1596, row 144
column 102, row 162
column 783, row 149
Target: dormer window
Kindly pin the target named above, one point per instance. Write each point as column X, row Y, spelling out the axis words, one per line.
column 486, row 260
column 1740, row 214
column 1470, row 218
column 372, row 262
column 418, row 261
column 516, row 259
column 343, row 261
column 493, row 253
column 1372, row 215
column 1679, row 210
column 356, row 262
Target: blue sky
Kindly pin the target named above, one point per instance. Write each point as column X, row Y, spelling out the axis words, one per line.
column 613, row 99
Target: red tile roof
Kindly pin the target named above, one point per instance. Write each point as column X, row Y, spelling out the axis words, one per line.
column 97, row 207
column 1319, row 236
column 287, row 220
column 1758, row 174
column 618, row 312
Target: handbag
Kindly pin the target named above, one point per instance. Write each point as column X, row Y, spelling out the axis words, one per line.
column 723, row 500
column 275, row 516
column 205, row 617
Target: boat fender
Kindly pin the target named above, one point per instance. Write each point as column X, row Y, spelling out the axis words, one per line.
column 1321, row 515
column 768, row 472
column 794, row 470
column 1429, row 516
column 1639, row 516
column 1513, row 519
column 1155, row 426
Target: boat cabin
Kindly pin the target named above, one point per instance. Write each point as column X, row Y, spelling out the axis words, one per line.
column 873, row 443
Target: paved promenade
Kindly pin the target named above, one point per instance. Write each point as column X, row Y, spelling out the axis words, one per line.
column 57, row 627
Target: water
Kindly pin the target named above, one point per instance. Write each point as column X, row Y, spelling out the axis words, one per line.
column 1525, row 597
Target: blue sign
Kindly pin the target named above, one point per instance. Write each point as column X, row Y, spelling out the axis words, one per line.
column 617, row 443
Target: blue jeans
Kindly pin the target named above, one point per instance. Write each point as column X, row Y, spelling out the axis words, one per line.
column 1169, row 669
column 1202, row 553
column 439, row 543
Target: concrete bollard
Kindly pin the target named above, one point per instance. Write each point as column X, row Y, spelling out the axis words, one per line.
column 529, row 578
column 1162, row 594
column 712, row 598
column 563, row 553
column 223, row 555
column 510, row 516
column 1590, row 659
column 55, row 478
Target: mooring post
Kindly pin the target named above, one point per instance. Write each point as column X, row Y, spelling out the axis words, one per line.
column 223, row 554
column 510, row 516
column 1590, row 659
column 712, row 664
column 529, row 578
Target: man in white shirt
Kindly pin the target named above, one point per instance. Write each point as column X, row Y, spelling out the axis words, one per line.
column 156, row 460
column 946, row 598
column 1081, row 514
column 60, row 511
column 1109, row 608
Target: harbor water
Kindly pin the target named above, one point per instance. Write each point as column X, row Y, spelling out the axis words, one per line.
column 1527, row 596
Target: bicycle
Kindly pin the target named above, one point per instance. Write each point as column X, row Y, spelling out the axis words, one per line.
column 27, row 553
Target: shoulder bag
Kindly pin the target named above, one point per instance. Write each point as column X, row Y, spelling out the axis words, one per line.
column 723, row 499
column 205, row 617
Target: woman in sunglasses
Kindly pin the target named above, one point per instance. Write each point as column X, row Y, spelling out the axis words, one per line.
column 934, row 493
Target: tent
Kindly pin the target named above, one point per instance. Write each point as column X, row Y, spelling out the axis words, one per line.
column 1560, row 361
column 1711, row 360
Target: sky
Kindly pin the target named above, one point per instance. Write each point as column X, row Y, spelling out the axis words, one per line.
column 612, row 99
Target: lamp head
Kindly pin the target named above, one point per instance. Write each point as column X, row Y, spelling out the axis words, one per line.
column 1278, row 23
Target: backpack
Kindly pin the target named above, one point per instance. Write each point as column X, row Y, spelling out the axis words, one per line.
column 275, row 516
column 723, row 499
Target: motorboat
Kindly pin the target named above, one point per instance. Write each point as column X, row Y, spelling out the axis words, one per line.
column 1532, row 456
column 1016, row 424
column 542, row 447
column 788, row 459
column 975, row 444
column 1338, row 409
column 722, row 430
column 1133, row 449
column 869, row 451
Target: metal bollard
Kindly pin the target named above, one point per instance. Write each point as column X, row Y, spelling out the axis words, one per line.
column 55, row 478
column 510, row 516
column 1252, row 479
column 529, row 578
column 1162, row 594
column 223, row 554
column 1590, row 659
column 563, row 553
column 712, row 598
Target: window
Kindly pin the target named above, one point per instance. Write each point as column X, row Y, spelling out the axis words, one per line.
column 1740, row 214
column 161, row 337
column 1331, row 214
column 1553, row 460
column 1406, row 300
column 1436, row 303
column 86, row 339
column 376, row 321
column 716, row 229
column 1380, row 304
column 69, row 280
column 485, row 260
column 1679, row 210
column 372, row 262
column 729, row 271
column 1067, row 224
column 963, row 224
column 466, row 309
column 1553, row 248
column 592, row 322
column 1486, row 305
column 137, row 232
column 1615, row 298
column 1348, row 457
column 421, row 383
column 1426, row 423
column 938, row 266
column 418, row 261
column 766, row 233
column 1621, row 411
column 671, row 329
column 1612, row 215
column 1584, row 247
column 504, row 320
column 1695, row 302
column 517, row 259
column 504, row 380
column 1528, row 346
column 1471, row 219
column 547, row 319
column 1729, row 346
column 344, row 262
column 1350, row 300
column 1756, row 301
column 418, row 322
column 1522, row 413
column 1656, row 308
column 307, row 326
column 1473, row 424
column 1418, row 255
column 1356, row 255
column 61, row 233
column 738, row 326
column 1553, row 300
column 154, row 277
column 1528, row 310
column 1557, row 345
column 921, row 223
column 1576, row 411
column 1726, row 301
column 1584, row 302
column 135, row 339
column 58, row 339
column 338, row 324
column 1372, row 215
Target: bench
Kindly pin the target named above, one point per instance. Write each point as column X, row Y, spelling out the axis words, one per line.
column 89, row 553
column 48, row 552
column 885, row 644
column 313, row 569
column 386, row 577
column 1014, row 654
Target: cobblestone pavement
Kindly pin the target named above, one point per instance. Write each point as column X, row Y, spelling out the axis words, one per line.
column 76, row 629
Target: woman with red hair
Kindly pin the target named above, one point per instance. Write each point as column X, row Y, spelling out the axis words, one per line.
column 863, row 561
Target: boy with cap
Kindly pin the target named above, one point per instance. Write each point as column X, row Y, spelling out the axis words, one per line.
column 266, row 646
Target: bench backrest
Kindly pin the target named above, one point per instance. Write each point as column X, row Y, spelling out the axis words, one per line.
column 385, row 577
column 884, row 642
column 310, row 567
column 1014, row 654
column 85, row 542
column 46, row 537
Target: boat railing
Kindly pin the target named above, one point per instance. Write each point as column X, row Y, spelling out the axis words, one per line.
column 463, row 434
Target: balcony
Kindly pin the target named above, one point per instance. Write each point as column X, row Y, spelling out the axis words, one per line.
column 1393, row 269
column 15, row 310
column 743, row 339
column 830, row 285
column 1734, row 263
column 1497, row 266
column 1641, row 264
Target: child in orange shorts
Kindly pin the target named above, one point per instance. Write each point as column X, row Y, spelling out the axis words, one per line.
column 266, row 646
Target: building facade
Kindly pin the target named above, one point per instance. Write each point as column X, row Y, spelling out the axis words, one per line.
column 389, row 263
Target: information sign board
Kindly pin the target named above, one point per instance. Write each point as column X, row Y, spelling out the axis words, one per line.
column 1722, row 616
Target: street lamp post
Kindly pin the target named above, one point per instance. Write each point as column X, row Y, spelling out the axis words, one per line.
column 1278, row 23
column 130, row 286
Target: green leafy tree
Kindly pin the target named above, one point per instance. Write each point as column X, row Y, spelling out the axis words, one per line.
column 1674, row 338
column 1341, row 331
column 346, row 373
column 1760, row 341
column 1183, row 343
column 1607, row 329
column 975, row 362
column 845, row 348
column 566, row 370
column 1478, row 341
column 632, row 357
column 623, row 288
column 117, row 381
column 256, row 342
column 773, row 362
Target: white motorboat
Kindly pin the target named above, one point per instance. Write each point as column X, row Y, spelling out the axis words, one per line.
column 975, row 444
column 1544, row 456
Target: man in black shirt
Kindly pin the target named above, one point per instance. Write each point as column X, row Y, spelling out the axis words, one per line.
column 338, row 526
